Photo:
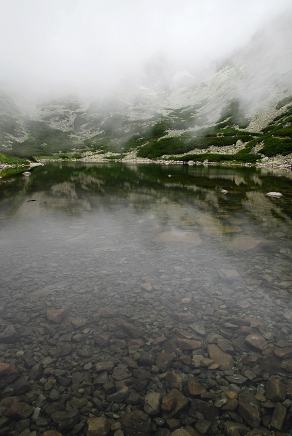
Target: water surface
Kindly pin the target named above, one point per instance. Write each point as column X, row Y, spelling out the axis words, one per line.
column 157, row 271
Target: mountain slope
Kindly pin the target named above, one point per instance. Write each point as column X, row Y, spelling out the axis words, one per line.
column 241, row 111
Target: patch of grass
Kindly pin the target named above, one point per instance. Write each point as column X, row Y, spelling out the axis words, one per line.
column 43, row 140
column 12, row 160
column 168, row 145
column 133, row 142
column 274, row 146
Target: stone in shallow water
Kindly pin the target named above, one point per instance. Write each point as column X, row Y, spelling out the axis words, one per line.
column 236, row 379
column 182, row 432
column 11, row 406
column 235, row 428
column 210, row 412
column 195, row 388
column 180, row 236
column 199, row 329
column 188, row 344
column 174, row 401
column 274, row 194
column 275, row 389
column 99, row 426
column 279, row 416
column 257, row 341
column 9, row 334
column 7, row 369
column 121, row 372
column 136, row 423
column 152, row 403
column 164, row 359
column 249, row 410
column 51, row 433
column 203, row 426
column 65, row 419
column 127, row 327
column 105, row 365
column 244, row 243
column 229, row 274
column 224, row 360
column 55, row 315
column 287, row 365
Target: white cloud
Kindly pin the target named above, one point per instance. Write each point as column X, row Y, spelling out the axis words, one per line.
column 91, row 46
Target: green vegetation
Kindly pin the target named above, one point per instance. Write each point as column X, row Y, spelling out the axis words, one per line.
column 216, row 136
column 152, row 138
column 12, row 160
column 277, row 136
column 274, row 146
column 98, row 143
column 43, row 140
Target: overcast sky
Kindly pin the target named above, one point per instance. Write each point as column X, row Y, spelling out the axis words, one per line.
column 91, row 46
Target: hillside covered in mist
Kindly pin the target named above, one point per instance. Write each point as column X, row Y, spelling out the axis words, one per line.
column 237, row 109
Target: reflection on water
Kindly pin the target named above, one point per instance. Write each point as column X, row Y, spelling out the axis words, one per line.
column 157, row 271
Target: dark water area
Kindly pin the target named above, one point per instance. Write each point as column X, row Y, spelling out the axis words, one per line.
column 144, row 300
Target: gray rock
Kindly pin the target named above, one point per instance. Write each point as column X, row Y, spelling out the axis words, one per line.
column 173, row 402
column 136, row 423
column 9, row 334
column 98, row 426
column 279, row 416
column 249, row 410
column 152, row 403
column 275, row 389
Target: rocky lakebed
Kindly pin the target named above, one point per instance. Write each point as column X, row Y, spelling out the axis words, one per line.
column 142, row 301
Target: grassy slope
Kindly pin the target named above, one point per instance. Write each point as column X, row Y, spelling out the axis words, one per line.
column 276, row 139
column 12, row 160
column 153, row 141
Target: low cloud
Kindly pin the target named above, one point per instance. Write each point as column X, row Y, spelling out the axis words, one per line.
column 95, row 48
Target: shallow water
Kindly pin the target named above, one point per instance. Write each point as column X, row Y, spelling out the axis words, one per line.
column 162, row 275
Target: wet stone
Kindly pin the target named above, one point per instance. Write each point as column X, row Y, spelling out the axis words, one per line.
column 136, row 423
column 51, row 433
column 287, row 365
column 105, row 365
column 121, row 372
column 249, row 410
column 236, row 379
column 182, row 432
column 275, row 389
column 203, row 426
column 188, row 344
column 195, row 388
column 13, row 407
column 224, row 360
column 164, row 359
column 65, row 419
column 99, row 426
column 152, row 403
column 279, row 416
column 209, row 412
column 7, row 369
column 55, row 315
column 8, row 334
column 256, row 341
column 173, row 402
column 235, row 429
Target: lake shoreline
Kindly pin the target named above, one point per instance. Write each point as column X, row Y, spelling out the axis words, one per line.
column 280, row 162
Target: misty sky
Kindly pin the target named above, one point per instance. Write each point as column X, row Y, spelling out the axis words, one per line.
column 92, row 46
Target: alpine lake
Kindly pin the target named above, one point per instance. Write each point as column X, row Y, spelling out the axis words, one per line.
column 145, row 300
